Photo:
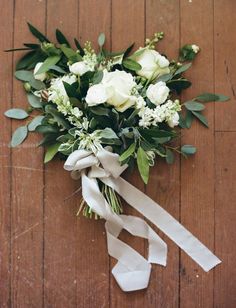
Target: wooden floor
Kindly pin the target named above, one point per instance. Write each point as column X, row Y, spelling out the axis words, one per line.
column 51, row 258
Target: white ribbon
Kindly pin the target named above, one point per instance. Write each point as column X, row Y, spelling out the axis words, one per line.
column 132, row 271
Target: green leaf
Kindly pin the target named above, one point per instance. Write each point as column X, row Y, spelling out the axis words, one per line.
column 37, row 84
column 169, row 156
column 188, row 149
column 101, row 39
column 61, row 38
column 35, row 122
column 126, row 154
column 188, row 119
column 24, row 75
column 210, row 97
column 58, row 117
column 183, row 68
column 98, row 110
column 131, row 65
column 57, row 69
column 128, row 50
column 195, row 106
column 71, row 54
column 42, row 38
column 200, row 117
column 16, row 113
column 143, row 164
column 97, row 77
column 108, row 133
column 77, row 44
column 51, row 152
column 165, row 77
column 30, row 59
column 178, row 85
column 71, row 89
column 46, row 129
column 47, row 64
column 19, row 136
column 156, row 133
column 34, row 101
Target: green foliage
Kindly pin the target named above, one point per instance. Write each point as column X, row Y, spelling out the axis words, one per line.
column 19, row 136
column 16, row 113
column 143, row 164
column 42, row 38
column 61, row 38
column 131, row 65
column 51, row 152
column 188, row 149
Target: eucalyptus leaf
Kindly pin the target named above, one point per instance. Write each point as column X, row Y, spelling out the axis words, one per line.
column 24, row 75
column 97, row 77
column 34, row 123
column 34, row 101
column 143, row 164
column 210, row 97
column 57, row 69
column 165, row 77
column 51, row 152
column 19, row 136
column 193, row 105
column 188, row 119
column 36, row 84
column 50, row 61
column 108, row 133
column 200, row 117
column 46, row 129
column 183, row 68
column 169, row 156
column 188, row 149
column 16, row 113
column 101, row 39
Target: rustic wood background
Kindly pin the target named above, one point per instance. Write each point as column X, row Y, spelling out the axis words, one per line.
column 51, row 258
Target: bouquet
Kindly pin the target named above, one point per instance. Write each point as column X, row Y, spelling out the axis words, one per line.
column 107, row 111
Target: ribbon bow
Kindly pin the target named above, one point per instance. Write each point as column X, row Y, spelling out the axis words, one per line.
column 132, row 271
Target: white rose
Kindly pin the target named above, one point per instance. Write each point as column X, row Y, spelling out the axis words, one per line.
column 153, row 64
column 158, row 93
column 41, row 76
column 115, row 89
column 97, row 94
column 79, row 68
column 119, row 85
column 174, row 120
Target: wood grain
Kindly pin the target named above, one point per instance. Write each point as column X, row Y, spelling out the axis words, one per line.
column 51, row 258
column 197, row 173
column 27, row 178
column 6, row 42
column 225, row 217
column 164, row 182
column 61, row 240
column 225, row 64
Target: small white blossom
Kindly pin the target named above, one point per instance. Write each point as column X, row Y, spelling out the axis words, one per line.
column 195, row 48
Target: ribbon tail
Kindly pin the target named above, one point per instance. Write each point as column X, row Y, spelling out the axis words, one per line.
column 165, row 222
column 132, row 271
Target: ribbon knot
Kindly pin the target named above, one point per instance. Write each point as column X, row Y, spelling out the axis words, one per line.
column 132, row 271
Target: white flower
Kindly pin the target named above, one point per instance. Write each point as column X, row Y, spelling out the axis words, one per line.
column 195, row 48
column 158, row 93
column 79, row 68
column 41, row 76
column 97, row 94
column 174, row 120
column 115, row 89
column 153, row 64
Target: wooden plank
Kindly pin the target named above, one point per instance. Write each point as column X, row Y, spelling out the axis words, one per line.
column 61, row 240
column 225, row 217
column 93, row 259
column 128, row 27
column 27, row 184
column 5, row 152
column 197, row 173
column 164, row 183
column 225, row 64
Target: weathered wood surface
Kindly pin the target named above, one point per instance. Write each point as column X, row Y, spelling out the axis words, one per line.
column 51, row 258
